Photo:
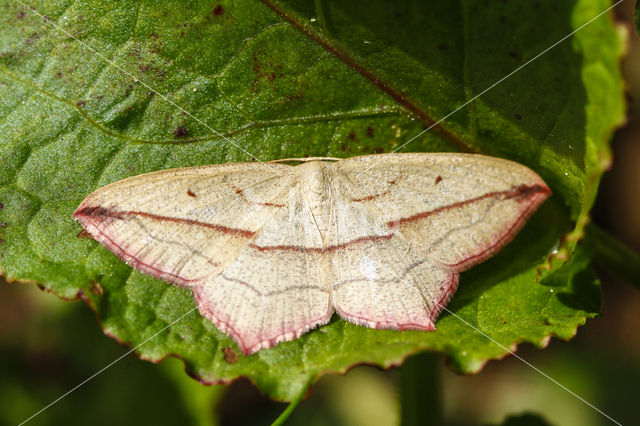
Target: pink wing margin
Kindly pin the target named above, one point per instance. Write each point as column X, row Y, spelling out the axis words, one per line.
column 530, row 197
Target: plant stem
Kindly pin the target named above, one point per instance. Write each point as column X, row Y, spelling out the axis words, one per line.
column 293, row 405
column 420, row 390
column 613, row 255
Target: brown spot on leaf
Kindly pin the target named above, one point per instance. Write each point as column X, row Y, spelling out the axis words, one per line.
column 230, row 355
column 352, row 136
column 180, row 132
column 438, row 179
column 442, row 46
column 218, row 10
column 369, row 132
column 289, row 98
column 255, row 67
column 2, row 241
column 515, row 56
column 81, row 103
column 1, row 206
column 266, row 71
column 144, row 67
column 191, row 194
column 20, row 14
column 96, row 288
column 517, row 116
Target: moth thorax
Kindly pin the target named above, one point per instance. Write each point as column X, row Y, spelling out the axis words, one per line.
column 315, row 184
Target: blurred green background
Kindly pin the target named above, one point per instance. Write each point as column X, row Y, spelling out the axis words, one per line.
column 48, row 346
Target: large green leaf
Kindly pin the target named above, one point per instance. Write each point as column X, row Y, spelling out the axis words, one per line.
column 288, row 79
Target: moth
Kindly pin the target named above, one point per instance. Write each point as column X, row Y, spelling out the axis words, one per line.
column 272, row 250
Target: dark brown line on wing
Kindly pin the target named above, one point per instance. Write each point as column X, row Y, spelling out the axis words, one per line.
column 321, row 249
column 370, row 197
column 351, row 62
column 271, row 204
column 381, row 194
column 102, row 212
column 519, row 191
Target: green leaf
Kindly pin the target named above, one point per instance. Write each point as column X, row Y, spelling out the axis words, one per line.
column 289, row 79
